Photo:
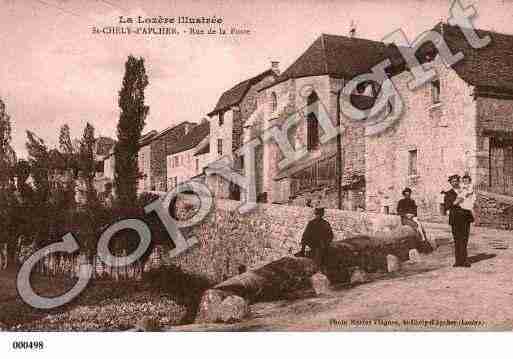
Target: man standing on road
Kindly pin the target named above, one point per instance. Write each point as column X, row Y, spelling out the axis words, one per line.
column 459, row 221
column 317, row 235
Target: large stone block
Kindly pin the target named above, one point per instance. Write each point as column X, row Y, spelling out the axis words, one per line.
column 320, row 283
column 414, row 256
column 208, row 310
column 393, row 263
column 358, row 276
column 233, row 309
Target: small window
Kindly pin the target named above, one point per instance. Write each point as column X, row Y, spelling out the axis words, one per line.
column 219, row 146
column 274, row 102
column 221, row 118
column 412, row 163
column 435, row 91
column 197, row 165
column 312, row 131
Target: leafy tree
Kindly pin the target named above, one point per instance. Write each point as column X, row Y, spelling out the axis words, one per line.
column 65, row 144
column 8, row 201
column 7, row 154
column 87, row 163
column 131, row 123
column 39, row 159
column 71, row 161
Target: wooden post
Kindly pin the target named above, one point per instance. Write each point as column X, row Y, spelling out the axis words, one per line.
column 339, row 161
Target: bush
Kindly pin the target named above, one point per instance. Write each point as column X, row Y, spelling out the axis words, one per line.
column 185, row 288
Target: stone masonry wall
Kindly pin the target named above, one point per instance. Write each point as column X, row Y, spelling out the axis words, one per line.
column 229, row 239
column 291, row 97
column 443, row 134
column 493, row 116
column 494, row 210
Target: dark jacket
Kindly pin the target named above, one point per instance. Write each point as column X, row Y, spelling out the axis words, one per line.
column 456, row 213
column 318, row 233
column 405, row 206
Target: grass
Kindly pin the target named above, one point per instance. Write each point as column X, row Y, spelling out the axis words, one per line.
column 167, row 282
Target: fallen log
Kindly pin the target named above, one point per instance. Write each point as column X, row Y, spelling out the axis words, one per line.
column 279, row 279
column 369, row 252
column 271, row 282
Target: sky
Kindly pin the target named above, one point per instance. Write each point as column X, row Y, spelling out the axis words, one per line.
column 54, row 70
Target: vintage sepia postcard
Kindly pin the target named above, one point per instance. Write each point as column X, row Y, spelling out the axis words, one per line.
column 199, row 166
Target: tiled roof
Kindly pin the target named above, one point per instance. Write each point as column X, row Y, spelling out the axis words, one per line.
column 488, row 68
column 235, row 95
column 104, row 145
column 174, row 129
column 342, row 57
column 205, row 148
column 147, row 138
column 195, row 135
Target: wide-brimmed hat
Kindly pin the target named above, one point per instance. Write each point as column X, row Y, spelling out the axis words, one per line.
column 454, row 177
column 407, row 190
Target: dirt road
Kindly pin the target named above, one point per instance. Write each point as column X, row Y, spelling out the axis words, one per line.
column 430, row 295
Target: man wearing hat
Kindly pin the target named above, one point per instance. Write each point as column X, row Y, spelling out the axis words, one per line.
column 459, row 222
column 317, row 235
column 407, row 209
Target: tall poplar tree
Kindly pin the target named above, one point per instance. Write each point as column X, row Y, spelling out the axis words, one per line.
column 131, row 123
column 87, row 162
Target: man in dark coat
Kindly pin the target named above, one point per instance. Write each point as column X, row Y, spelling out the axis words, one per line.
column 317, row 235
column 459, row 221
column 407, row 208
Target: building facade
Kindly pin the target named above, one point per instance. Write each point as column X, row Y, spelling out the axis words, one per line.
column 308, row 89
column 160, row 147
column 457, row 123
column 227, row 120
column 144, row 162
column 182, row 162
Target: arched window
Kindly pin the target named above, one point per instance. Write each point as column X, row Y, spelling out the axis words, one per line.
column 312, row 131
column 274, row 101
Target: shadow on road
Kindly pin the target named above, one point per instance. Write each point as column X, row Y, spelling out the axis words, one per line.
column 480, row 257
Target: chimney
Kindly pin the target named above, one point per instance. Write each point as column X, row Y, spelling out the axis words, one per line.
column 352, row 29
column 275, row 66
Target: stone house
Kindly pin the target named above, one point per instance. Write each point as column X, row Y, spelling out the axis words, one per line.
column 160, row 147
column 182, row 162
column 105, row 159
column 459, row 122
column 144, row 161
column 311, row 87
column 227, row 119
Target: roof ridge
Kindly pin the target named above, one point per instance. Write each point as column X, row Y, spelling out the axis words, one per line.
column 248, row 79
column 323, row 45
column 440, row 23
